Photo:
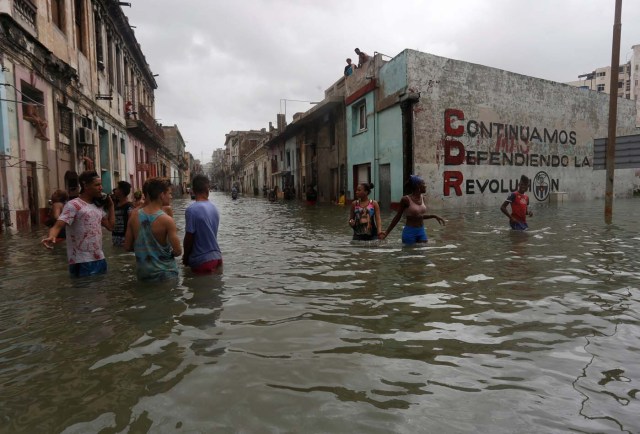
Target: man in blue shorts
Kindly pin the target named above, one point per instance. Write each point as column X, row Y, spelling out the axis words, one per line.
column 83, row 220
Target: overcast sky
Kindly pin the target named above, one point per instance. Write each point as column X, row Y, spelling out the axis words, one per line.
column 226, row 65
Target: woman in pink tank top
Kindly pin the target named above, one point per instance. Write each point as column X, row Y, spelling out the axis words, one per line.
column 415, row 210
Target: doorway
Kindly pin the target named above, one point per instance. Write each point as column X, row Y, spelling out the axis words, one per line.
column 32, row 192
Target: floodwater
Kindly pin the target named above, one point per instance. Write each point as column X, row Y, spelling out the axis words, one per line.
column 484, row 330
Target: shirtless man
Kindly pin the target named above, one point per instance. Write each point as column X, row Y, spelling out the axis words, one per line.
column 362, row 57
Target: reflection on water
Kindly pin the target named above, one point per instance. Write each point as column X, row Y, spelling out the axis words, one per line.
column 483, row 330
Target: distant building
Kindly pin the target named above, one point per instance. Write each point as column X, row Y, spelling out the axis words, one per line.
column 599, row 79
column 240, row 147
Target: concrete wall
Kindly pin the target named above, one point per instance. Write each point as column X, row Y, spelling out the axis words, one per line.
column 389, row 137
column 466, row 164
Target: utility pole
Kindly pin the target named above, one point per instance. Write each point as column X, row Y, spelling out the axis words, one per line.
column 613, row 115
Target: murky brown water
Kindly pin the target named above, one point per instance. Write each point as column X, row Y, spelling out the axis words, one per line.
column 483, row 331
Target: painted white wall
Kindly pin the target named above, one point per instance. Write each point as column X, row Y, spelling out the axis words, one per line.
column 493, row 96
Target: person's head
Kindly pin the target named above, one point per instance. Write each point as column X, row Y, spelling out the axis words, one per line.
column 363, row 189
column 59, row 196
column 341, row 192
column 200, row 184
column 158, row 189
column 122, row 190
column 416, row 184
column 357, row 50
column 523, row 185
column 137, row 195
column 90, row 183
column 348, row 61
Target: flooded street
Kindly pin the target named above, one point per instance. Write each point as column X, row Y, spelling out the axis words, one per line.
column 484, row 330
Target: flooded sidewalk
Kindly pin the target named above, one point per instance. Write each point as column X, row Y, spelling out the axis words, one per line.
column 483, row 330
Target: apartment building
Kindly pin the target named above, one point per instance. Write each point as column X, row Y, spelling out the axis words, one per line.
column 628, row 76
column 76, row 93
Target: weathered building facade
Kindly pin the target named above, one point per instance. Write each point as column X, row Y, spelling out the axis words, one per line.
column 245, row 161
column 77, row 94
column 175, row 144
column 472, row 130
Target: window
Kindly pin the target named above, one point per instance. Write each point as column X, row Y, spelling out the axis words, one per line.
column 362, row 117
column 118, row 71
column 600, row 88
column 122, row 147
column 620, row 84
column 601, row 74
column 99, row 47
column 57, row 14
column 32, row 100
column 81, row 39
column 110, row 61
column 65, row 116
column 359, row 117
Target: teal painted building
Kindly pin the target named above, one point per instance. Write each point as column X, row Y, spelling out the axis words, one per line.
column 377, row 136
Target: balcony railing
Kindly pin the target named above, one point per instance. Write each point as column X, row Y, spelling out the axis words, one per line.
column 27, row 11
column 142, row 122
column 149, row 121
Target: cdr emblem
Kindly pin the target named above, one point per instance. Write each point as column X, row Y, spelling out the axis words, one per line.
column 541, row 186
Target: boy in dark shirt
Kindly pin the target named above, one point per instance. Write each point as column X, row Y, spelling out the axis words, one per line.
column 122, row 210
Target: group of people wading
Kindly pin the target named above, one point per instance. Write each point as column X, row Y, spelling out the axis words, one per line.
column 148, row 230
column 364, row 215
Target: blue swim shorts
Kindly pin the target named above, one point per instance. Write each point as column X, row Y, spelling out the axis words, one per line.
column 519, row 226
column 412, row 235
column 88, row 268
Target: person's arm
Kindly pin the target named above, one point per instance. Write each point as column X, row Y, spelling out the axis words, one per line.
column 434, row 216
column 529, row 212
column 188, row 247
column 403, row 205
column 352, row 214
column 56, row 210
column 109, row 221
column 503, row 208
column 130, row 236
column 376, row 209
column 53, row 234
column 172, row 236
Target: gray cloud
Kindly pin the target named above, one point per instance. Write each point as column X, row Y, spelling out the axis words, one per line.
column 226, row 65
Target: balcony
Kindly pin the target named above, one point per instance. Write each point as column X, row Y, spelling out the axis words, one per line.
column 25, row 12
column 144, row 126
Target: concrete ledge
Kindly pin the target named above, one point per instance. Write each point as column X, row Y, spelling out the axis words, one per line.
column 558, row 197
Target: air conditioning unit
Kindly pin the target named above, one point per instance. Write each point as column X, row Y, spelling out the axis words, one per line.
column 85, row 136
